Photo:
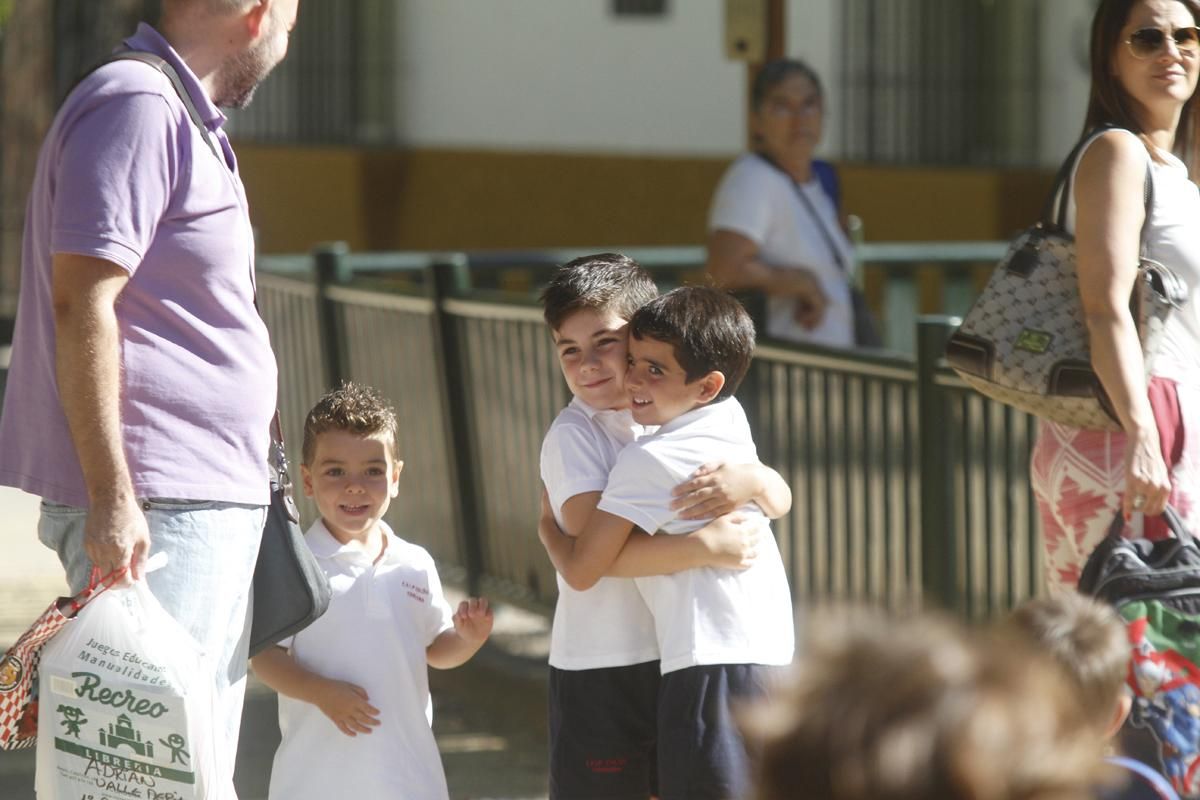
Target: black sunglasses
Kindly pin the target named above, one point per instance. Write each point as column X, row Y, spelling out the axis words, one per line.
column 1147, row 42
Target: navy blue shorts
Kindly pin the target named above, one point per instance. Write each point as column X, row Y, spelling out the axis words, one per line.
column 603, row 732
column 701, row 753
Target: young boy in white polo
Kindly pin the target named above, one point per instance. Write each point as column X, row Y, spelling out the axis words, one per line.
column 354, row 704
column 721, row 633
column 604, row 670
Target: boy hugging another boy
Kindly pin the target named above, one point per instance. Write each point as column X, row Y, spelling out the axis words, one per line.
column 719, row 632
column 354, row 704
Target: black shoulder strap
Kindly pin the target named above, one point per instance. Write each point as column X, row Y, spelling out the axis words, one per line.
column 163, row 66
column 1055, row 211
column 830, row 243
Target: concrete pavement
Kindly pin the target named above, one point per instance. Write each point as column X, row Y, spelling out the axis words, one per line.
column 30, row 575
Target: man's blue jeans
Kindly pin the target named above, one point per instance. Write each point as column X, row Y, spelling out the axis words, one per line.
column 211, row 549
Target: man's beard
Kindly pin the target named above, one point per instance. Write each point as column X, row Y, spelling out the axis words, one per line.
column 241, row 74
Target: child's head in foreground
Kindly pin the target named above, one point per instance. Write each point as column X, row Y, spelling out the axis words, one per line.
column 1089, row 642
column 348, row 460
column 689, row 347
column 888, row 709
column 587, row 305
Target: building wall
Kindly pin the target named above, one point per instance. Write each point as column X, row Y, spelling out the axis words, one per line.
column 543, row 75
column 536, row 123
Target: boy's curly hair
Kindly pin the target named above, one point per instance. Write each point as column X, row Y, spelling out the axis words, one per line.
column 354, row 408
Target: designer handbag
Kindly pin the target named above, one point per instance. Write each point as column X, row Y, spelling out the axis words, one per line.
column 1155, row 588
column 1025, row 340
column 290, row 589
column 19, row 666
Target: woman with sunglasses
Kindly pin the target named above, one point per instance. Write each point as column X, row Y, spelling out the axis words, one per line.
column 1145, row 63
column 774, row 227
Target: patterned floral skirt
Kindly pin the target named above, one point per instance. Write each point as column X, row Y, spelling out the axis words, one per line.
column 1079, row 478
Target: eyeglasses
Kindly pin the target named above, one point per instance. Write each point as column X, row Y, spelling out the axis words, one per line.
column 781, row 109
column 1147, row 42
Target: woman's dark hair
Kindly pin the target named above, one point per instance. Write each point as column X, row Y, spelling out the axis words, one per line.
column 776, row 72
column 1109, row 103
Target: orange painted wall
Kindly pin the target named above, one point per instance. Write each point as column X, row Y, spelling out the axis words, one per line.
column 469, row 199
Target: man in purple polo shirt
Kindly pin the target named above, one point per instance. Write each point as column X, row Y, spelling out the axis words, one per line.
column 142, row 381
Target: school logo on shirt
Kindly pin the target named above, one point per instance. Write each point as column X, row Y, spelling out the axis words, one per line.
column 418, row 593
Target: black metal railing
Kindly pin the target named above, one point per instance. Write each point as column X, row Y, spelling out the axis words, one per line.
column 905, row 484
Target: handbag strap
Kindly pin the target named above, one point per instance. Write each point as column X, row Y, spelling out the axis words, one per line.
column 97, row 584
column 162, row 65
column 279, row 454
column 1170, row 517
column 811, row 210
column 1054, row 213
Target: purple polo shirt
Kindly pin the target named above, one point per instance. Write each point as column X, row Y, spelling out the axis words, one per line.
column 125, row 176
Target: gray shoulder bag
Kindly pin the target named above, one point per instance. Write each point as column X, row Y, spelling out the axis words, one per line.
column 1025, row 340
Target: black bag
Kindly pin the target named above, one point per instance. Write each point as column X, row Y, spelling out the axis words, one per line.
column 290, row 589
column 1155, row 587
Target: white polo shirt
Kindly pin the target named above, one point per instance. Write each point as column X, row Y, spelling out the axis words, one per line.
column 608, row 625
column 706, row 615
column 380, row 620
column 759, row 202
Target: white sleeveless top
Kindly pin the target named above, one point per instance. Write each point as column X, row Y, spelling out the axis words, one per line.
column 1173, row 240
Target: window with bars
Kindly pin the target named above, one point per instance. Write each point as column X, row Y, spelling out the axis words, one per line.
column 951, row 82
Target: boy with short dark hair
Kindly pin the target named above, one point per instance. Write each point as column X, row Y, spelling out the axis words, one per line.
column 604, row 669
column 720, row 633
column 354, row 704
column 1089, row 642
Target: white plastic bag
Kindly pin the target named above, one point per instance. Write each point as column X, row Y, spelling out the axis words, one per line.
column 126, row 707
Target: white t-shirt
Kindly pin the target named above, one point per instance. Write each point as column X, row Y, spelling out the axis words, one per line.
column 608, row 625
column 758, row 201
column 706, row 615
column 380, row 620
column 1173, row 240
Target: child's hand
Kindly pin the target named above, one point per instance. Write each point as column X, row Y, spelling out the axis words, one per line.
column 715, row 489
column 347, row 706
column 473, row 620
column 732, row 540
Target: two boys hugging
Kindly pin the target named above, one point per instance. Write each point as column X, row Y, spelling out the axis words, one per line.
column 656, row 637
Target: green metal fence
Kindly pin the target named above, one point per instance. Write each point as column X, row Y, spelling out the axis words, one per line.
column 906, row 485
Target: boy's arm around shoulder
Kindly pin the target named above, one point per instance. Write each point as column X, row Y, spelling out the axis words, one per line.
column 585, row 558
column 472, row 625
column 729, row 541
column 638, row 494
column 346, row 704
column 716, row 488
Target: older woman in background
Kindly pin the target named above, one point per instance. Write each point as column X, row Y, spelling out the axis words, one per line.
column 774, row 226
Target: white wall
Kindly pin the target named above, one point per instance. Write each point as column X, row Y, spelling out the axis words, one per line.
column 566, row 75
column 814, row 35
